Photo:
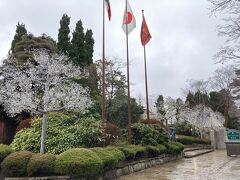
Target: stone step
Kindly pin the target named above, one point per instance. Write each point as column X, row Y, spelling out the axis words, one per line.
column 191, row 154
column 194, row 148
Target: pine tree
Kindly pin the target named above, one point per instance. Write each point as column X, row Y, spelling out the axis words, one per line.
column 63, row 35
column 89, row 44
column 190, row 99
column 78, row 52
column 20, row 31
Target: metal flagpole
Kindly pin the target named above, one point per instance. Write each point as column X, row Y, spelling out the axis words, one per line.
column 146, row 82
column 103, row 74
column 128, row 84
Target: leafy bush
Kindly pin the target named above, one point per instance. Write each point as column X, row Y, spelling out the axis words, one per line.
column 63, row 132
column 180, row 145
column 5, row 150
column 129, row 153
column 110, row 156
column 41, row 165
column 174, row 148
column 148, row 134
column 184, row 128
column 162, row 149
column 113, row 133
column 79, row 162
column 154, row 151
column 16, row 163
column 189, row 140
column 133, row 151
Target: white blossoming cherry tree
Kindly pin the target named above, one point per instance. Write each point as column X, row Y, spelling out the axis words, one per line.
column 45, row 85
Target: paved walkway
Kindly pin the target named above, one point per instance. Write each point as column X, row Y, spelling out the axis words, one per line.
column 212, row 166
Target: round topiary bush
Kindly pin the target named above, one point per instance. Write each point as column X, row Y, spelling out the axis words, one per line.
column 15, row 164
column 79, row 162
column 41, row 165
column 110, row 156
column 5, row 150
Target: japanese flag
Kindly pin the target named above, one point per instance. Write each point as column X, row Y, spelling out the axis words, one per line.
column 129, row 22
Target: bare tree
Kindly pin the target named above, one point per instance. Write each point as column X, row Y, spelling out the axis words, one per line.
column 43, row 86
column 230, row 29
column 169, row 108
column 222, row 81
column 115, row 79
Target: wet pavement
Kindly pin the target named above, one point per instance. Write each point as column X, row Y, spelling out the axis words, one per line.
column 212, row 166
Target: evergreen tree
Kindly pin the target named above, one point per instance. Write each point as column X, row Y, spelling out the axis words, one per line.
column 23, row 49
column 217, row 101
column 89, row 44
column 190, row 99
column 78, row 52
column 63, row 35
column 20, row 31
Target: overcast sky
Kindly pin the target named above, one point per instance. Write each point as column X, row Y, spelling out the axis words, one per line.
column 184, row 37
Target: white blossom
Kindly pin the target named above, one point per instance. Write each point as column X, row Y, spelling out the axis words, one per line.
column 48, row 80
column 41, row 86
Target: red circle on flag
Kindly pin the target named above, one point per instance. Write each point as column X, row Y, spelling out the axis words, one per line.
column 129, row 18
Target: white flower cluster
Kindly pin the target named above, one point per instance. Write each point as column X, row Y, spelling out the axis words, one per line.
column 42, row 86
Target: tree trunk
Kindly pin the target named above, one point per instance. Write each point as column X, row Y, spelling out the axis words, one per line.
column 44, row 129
column 226, row 108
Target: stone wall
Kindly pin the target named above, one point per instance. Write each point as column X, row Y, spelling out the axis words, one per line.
column 139, row 165
column 121, row 170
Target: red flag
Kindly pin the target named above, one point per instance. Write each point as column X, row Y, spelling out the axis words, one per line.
column 107, row 3
column 145, row 34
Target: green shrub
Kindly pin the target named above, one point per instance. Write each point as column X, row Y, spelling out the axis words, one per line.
column 79, row 162
column 110, row 156
column 63, row 132
column 129, row 153
column 180, row 145
column 148, row 134
column 15, row 164
column 189, row 140
column 133, row 151
column 186, row 129
column 41, row 165
column 152, row 151
column 173, row 148
column 5, row 150
column 162, row 149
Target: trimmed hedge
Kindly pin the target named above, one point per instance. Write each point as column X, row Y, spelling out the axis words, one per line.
column 132, row 152
column 162, row 149
column 174, row 148
column 15, row 164
column 110, row 156
column 5, row 150
column 41, row 165
column 154, row 151
column 79, row 162
column 189, row 140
